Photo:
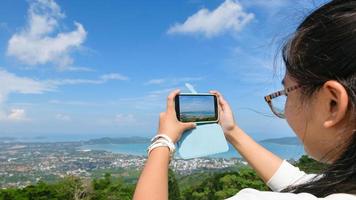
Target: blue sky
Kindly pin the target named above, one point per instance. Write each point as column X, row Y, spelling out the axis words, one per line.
column 197, row 104
column 104, row 68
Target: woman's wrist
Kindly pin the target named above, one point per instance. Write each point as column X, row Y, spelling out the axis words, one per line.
column 161, row 152
column 233, row 134
column 159, row 141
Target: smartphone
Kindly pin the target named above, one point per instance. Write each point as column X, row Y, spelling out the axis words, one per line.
column 199, row 108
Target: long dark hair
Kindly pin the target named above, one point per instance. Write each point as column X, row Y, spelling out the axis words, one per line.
column 323, row 48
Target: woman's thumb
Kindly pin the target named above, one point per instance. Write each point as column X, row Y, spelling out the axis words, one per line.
column 189, row 125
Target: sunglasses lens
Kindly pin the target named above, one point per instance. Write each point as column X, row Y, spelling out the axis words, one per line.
column 278, row 105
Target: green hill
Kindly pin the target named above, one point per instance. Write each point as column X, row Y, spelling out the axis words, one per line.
column 121, row 140
column 199, row 186
column 283, row 141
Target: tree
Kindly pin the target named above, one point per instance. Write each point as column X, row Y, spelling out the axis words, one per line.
column 199, row 186
column 173, row 187
column 224, row 185
column 310, row 165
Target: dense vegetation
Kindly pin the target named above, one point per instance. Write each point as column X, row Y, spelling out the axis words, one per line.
column 217, row 185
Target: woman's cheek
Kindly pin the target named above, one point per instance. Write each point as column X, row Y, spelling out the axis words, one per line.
column 295, row 119
column 290, row 115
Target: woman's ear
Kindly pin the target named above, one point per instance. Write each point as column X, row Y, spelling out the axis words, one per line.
column 337, row 102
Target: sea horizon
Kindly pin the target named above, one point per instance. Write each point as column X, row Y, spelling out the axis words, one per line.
column 285, row 151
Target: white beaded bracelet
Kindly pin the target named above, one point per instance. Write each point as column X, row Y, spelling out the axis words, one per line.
column 155, row 145
column 162, row 140
column 161, row 136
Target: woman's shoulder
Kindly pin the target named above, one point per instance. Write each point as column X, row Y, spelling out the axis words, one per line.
column 253, row 194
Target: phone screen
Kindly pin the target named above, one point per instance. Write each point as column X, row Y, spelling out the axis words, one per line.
column 196, row 108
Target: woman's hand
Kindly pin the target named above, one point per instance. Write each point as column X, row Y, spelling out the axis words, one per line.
column 226, row 117
column 168, row 122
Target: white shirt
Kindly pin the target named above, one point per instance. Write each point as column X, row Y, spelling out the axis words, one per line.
column 286, row 175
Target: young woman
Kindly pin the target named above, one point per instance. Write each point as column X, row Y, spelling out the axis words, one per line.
column 320, row 85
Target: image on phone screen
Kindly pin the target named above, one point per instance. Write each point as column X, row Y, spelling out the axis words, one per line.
column 196, row 108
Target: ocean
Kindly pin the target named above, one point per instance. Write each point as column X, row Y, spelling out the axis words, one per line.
column 284, row 151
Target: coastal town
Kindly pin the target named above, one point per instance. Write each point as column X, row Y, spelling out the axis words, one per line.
column 24, row 163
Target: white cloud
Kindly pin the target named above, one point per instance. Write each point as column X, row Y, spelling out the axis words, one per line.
column 273, row 10
column 63, row 117
column 17, row 114
column 40, row 42
column 102, row 79
column 73, row 103
column 267, row 4
column 114, row 76
column 172, row 81
column 150, row 102
column 78, row 69
column 165, row 91
column 155, row 81
column 122, row 120
column 255, row 72
column 125, row 119
column 11, row 83
column 60, row 82
column 229, row 16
